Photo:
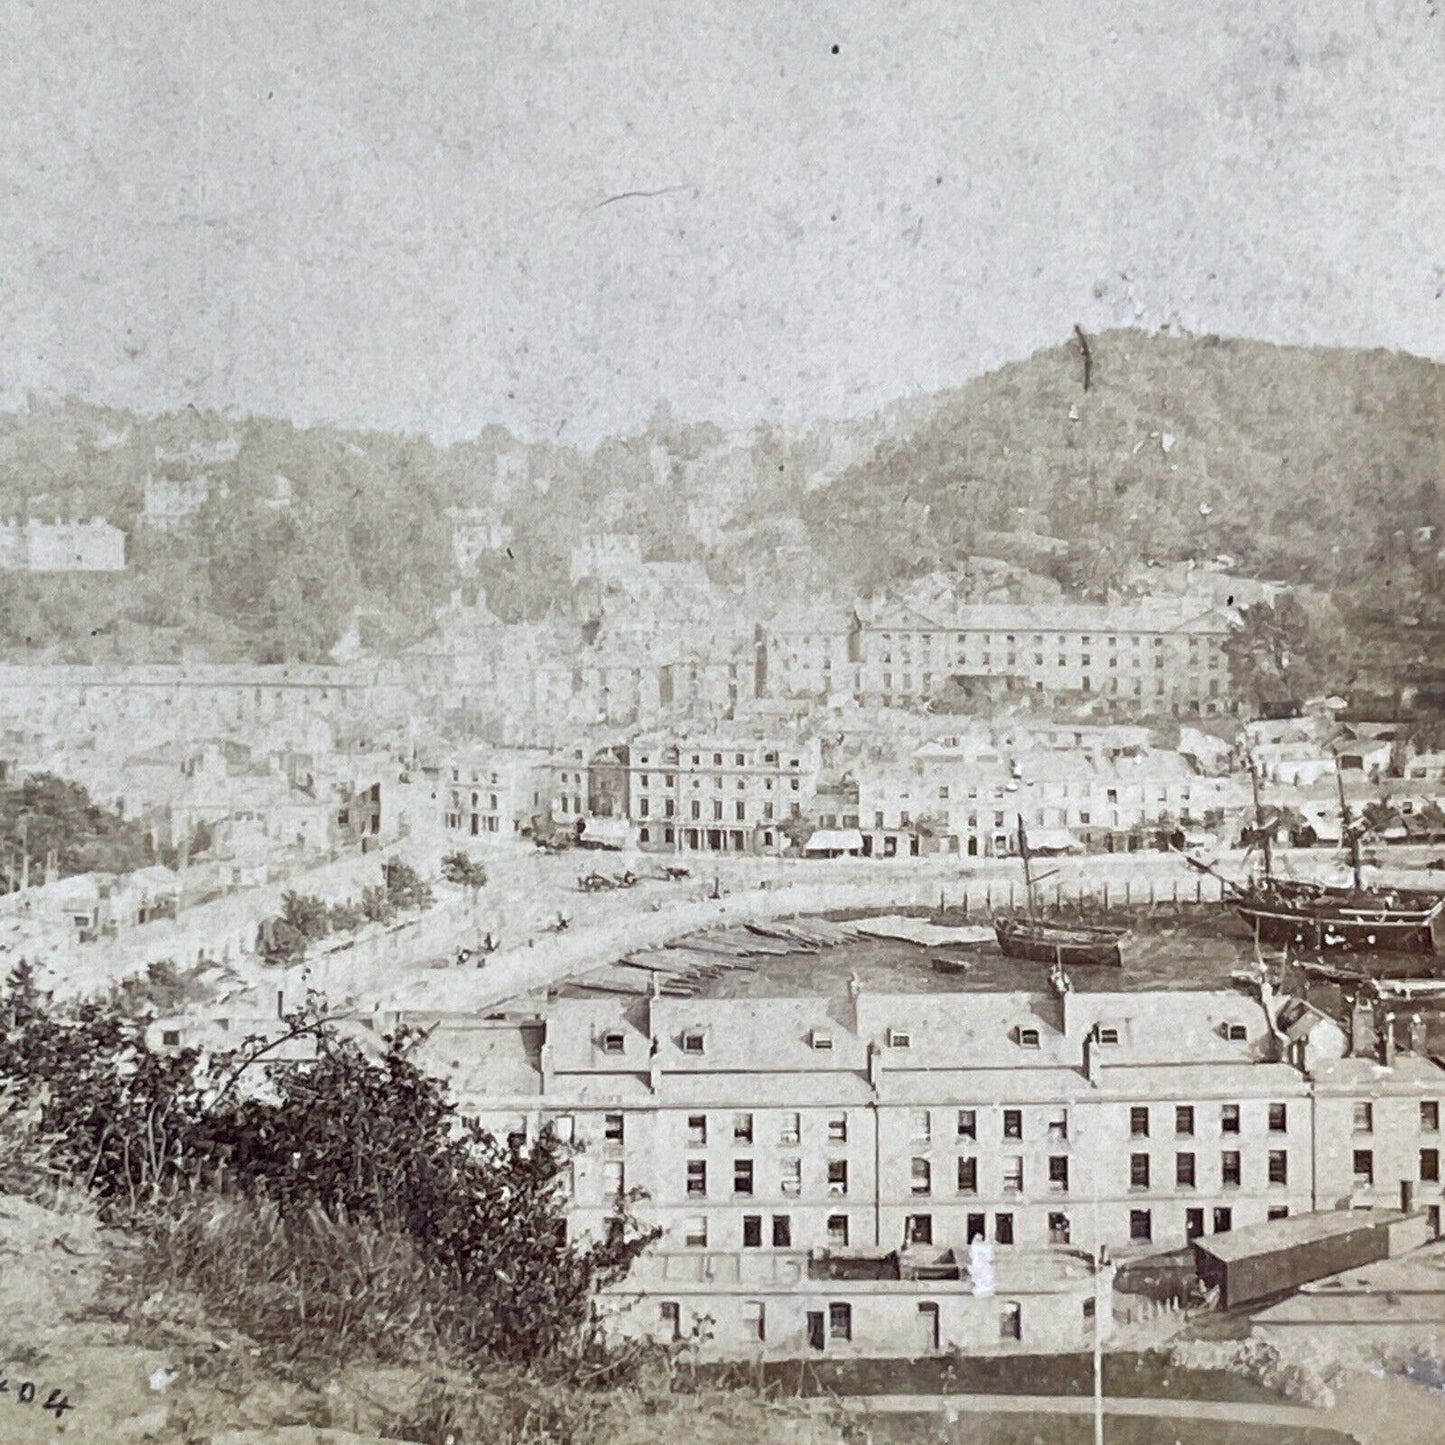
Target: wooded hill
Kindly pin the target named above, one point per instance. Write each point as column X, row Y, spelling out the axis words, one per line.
column 1305, row 464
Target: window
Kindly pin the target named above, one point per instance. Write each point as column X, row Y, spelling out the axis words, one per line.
column 1184, row 1121
column 1229, row 1118
column 612, row 1178
column 697, row 1131
column 820, row 1040
column 791, row 1129
column 1184, row 1171
column 1013, row 1124
column 1138, row 1171
column 921, row 1175
column 792, row 1177
column 1278, row 1166
column 922, row 1126
column 1013, row 1174
column 837, row 1176
column 1364, row 1118
column 967, row 1124
column 1139, row 1121
column 742, row 1128
column 1364, row 1164
column 694, row 1232
column 613, row 1043
column 1059, row 1127
column 838, row 1231
column 1223, row 1220
column 837, row 1128
column 899, row 1039
column 1059, row 1173
column 754, row 1320
column 1278, row 1119
column 612, row 1128
column 782, row 1231
column 742, row 1176
column 1003, row 1228
column 1229, row 1169
column 1430, row 1116
column 1108, row 1036
column 752, row 1231
column 1141, row 1226
column 918, row 1229
column 170, row 1038
column 840, row 1322
column 1430, row 1166
column 968, row 1176
column 670, row 1314
column 1236, row 1033
column 1011, row 1321
column 697, row 1178
column 1028, row 1038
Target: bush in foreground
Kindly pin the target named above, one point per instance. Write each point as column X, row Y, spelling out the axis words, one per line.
column 332, row 1203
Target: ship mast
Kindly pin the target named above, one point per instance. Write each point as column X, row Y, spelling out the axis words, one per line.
column 1261, row 832
column 1028, row 874
column 1347, row 829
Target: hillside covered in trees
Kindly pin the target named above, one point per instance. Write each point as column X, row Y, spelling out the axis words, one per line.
column 1305, row 464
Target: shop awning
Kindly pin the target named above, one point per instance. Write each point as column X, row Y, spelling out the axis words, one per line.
column 835, row 840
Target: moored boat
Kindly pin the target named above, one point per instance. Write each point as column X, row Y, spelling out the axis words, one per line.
column 1045, row 940
column 1334, row 918
column 1066, row 944
column 942, row 964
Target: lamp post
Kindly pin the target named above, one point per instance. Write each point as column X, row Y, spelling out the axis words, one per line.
column 1100, row 1259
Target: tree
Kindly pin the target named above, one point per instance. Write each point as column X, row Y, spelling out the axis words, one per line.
column 464, row 871
column 405, row 887
column 1275, row 655
column 46, row 814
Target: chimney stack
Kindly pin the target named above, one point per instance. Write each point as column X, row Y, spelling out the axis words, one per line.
column 855, row 992
column 1091, row 1060
column 1417, row 1033
column 1387, row 1042
column 1407, row 1196
column 1362, row 1029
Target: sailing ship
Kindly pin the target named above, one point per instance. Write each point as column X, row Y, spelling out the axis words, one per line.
column 1352, row 918
column 1043, row 940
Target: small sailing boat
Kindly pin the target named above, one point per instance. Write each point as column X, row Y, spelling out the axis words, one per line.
column 1043, row 940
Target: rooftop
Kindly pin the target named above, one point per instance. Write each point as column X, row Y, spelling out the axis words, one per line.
column 1294, row 1230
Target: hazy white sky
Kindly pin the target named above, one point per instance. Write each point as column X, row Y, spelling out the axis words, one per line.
column 390, row 212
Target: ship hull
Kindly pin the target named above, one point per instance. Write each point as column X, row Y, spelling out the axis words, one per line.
column 1334, row 927
column 1058, row 943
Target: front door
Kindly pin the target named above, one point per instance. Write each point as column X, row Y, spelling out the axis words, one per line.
column 928, row 1329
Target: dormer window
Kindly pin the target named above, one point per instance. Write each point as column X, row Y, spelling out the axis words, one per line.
column 900, row 1039
column 1108, row 1035
column 693, row 1042
column 613, row 1043
column 1028, row 1038
column 1236, row 1033
column 820, row 1040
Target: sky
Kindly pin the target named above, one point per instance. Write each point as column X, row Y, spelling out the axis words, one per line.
column 433, row 215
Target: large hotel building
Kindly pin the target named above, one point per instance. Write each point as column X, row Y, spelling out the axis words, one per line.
column 779, row 1141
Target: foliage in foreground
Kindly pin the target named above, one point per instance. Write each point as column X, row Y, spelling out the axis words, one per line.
column 333, row 1201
